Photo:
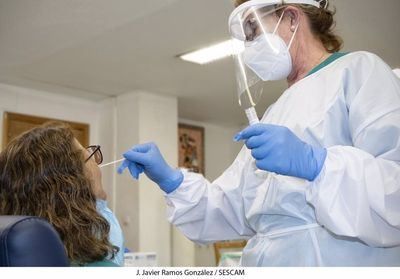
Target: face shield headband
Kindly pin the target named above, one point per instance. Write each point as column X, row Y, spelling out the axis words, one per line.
column 237, row 17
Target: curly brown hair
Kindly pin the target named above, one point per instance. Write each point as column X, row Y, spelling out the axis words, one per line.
column 42, row 174
column 321, row 21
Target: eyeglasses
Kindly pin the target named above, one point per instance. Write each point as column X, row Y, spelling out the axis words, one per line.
column 251, row 25
column 94, row 151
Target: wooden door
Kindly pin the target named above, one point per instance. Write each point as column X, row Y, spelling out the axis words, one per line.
column 15, row 124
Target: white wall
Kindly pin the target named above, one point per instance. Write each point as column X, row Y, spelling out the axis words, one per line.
column 220, row 151
column 38, row 103
column 107, row 138
column 144, row 117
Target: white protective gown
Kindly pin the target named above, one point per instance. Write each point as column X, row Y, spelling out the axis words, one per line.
column 350, row 215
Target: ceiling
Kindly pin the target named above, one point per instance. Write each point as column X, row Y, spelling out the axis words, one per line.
column 101, row 48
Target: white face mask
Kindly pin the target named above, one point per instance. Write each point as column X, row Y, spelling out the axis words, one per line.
column 268, row 57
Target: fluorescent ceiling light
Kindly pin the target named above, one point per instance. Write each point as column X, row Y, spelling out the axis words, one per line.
column 397, row 72
column 214, row 52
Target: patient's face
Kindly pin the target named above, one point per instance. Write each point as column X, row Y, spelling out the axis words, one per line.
column 93, row 173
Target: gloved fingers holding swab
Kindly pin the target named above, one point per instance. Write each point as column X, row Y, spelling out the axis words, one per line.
column 147, row 158
column 134, row 169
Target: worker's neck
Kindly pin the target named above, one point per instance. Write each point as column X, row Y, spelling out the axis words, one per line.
column 306, row 55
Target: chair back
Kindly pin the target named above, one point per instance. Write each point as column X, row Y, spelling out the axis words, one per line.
column 31, row 242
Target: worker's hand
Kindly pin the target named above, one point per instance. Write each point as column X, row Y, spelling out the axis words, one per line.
column 277, row 149
column 148, row 159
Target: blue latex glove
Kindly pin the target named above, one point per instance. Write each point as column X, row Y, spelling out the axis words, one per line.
column 277, row 149
column 148, row 159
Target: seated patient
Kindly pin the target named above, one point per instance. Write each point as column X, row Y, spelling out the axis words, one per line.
column 45, row 172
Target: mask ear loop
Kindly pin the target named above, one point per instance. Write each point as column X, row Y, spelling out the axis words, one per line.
column 294, row 35
column 260, row 22
column 264, row 31
column 279, row 22
column 276, row 28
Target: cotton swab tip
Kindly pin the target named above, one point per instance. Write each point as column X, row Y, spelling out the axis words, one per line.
column 111, row 163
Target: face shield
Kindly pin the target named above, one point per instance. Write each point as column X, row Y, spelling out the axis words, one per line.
column 259, row 53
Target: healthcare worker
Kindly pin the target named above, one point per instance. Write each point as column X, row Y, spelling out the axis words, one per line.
column 318, row 180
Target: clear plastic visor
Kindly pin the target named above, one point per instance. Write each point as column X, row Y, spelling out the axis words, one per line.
column 248, row 24
column 245, row 27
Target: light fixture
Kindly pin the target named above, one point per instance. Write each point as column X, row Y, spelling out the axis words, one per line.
column 397, row 72
column 213, row 52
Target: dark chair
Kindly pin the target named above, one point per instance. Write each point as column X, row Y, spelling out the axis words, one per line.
column 30, row 241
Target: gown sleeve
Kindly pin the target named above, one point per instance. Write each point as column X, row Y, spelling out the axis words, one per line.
column 357, row 193
column 207, row 212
